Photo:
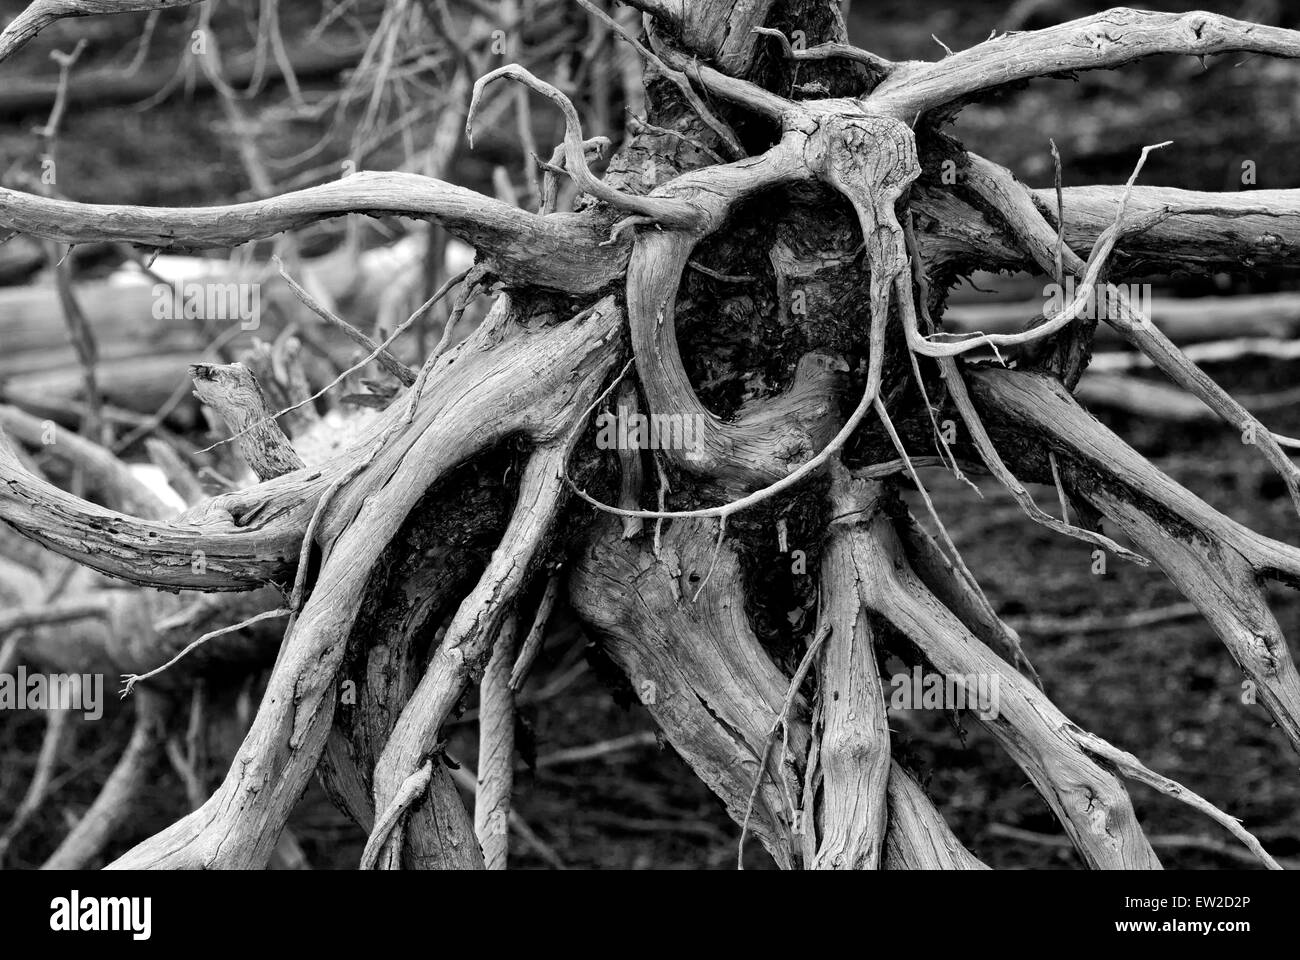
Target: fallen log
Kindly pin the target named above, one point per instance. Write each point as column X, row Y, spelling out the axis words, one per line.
column 1156, row 401
column 1182, row 321
column 103, row 88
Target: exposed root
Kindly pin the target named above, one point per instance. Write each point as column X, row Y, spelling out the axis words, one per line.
column 1182, row 371
column 671, row 609
column 560, row 251
column 999, row 187
column 853, row 729
column 204, row 549
column 669, row 212
column 1090, row 273
column 496, row 748
column 467, row 645
column 1091, row 804
column 697, row 667
column 918, row 838
column 383, row 663
column 410, row 790
column 872, row 161
column 1214, row 561
column 239, row 824
column 1105, row 40
column 767, row 437
column 1133, row 768
column 993, row 460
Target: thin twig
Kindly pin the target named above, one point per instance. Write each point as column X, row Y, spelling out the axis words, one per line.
column 420, row 312
column 385, row 357
column 131, row 679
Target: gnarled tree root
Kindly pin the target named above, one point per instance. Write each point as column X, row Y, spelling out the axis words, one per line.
column 1091, row 803
column 1216, row 562
column 562, row 367
column 697, row 666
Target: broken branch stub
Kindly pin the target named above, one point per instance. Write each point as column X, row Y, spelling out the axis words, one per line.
column 233, row 392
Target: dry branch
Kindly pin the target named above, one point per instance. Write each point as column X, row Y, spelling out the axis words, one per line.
column 561, row 251
column 41, row 13
column 1103, row 41
column 233, row 391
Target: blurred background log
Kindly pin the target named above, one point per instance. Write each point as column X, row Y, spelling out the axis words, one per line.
column 1184, row 321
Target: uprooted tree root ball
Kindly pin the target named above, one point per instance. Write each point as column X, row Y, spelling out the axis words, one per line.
column 825, row 217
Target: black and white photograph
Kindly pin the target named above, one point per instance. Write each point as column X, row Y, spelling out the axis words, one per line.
column 662, row 437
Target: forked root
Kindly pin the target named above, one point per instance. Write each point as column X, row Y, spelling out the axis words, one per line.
column 464, row 652
column 997, row 186
column 697, row 667
column 1214, row 561
column 1090, row 802
column 562, row 366
column 1131, row 767
column 745, row 728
